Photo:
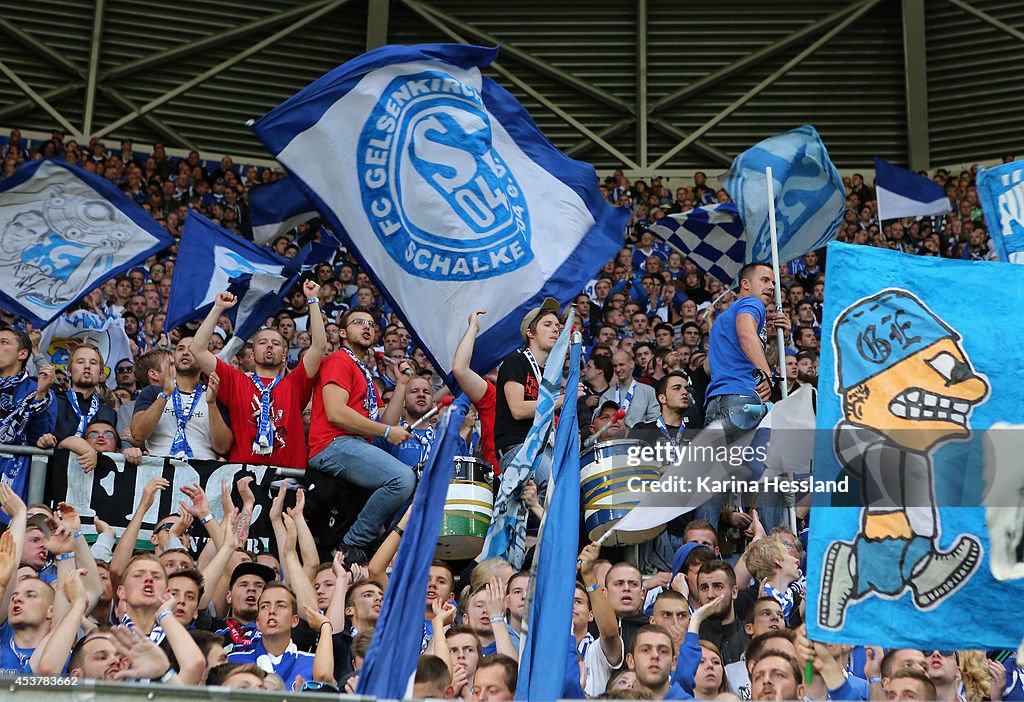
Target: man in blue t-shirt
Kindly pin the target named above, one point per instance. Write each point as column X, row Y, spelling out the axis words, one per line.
column 741, row 377
column 740, row 372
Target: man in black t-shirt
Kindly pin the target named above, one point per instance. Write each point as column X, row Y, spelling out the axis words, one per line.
column 519, row 383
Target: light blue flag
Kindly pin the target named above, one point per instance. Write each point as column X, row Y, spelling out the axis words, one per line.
column 64, row 232
column 546, row 648
column 809, row 194
column 395, row 649
column 278, row 207
column 903, row 193
column 211, row 260
column 506, row 536
column 710, row 235
column 912, row 379
column 1001, row 191
column 450, row 195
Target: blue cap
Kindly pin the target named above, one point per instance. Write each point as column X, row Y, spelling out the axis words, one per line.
column 876, row 333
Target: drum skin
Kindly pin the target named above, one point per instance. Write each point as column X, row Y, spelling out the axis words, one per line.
column 604, row 483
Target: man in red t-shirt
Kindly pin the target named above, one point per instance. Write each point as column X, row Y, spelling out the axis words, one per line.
column 265, row 407
column 347, row 413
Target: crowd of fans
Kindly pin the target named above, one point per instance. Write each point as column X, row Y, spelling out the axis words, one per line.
column 710, row 608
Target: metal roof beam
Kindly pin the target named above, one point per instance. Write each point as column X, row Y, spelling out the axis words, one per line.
column 641, row 81
column 158, row 126
column 377, row 23
column 17, row 108
column 861, row 8
column 527, row 58
column 998, row 24
column 916, row 81
column 38, row 46
column 206, row 42
column 611, row 130
column 529, row 90
column 751, row 59
column 221, row 67
column 94, row 61
column 698, row 145
column 38, row 99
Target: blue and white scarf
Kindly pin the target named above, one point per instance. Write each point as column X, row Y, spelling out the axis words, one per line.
column 624, row 404
column 264, row 443
column 677, row 439
column 83, row 419
column 372, row 404
column 179, row 446
column 156, row 635
column 14, row 423
column 784, row 598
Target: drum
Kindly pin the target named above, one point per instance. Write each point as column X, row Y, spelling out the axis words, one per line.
column 604, row 481
column 468, row 509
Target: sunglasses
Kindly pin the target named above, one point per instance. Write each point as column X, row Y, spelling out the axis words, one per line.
column 316, row 685
column 944, row 654
column 108, row 435
column 125, row 370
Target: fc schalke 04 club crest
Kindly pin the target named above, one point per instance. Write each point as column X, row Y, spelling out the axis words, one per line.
column 439, row 196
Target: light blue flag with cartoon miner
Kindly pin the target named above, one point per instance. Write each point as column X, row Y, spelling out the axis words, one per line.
column 277, row 207
column 64, row 232
column 449, row 194
column 1001, row 191
column 809, row 194
column 911, row 381
column 211, row 260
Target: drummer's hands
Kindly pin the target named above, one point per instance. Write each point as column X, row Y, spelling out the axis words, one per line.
column 588, row 557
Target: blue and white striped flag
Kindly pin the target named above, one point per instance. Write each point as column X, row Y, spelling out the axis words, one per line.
column 278, row 207
column 710, row 235
column 506, row 536
column 211, row 260
column 1001, row 191
column 809, row 194
column 903, row 193
column 64, row 232
column 450, row 195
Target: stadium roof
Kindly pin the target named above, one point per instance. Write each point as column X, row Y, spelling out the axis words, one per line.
column 918, row 83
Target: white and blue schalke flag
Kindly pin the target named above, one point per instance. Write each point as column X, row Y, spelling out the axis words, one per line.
column 903, row 193
column 710, row 235
column 277, row 207
column 912, row 381
column 1001, row 191
column 63, row 232
column 211, row 260
column 450, row 195
column 809, row 194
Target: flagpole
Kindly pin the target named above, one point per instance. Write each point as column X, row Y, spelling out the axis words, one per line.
column 780, row 334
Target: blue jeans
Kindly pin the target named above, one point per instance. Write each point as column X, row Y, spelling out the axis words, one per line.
column 354, row 460
column 729, row 410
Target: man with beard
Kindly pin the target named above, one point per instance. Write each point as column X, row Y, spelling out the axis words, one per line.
column 346, row 416
column 419, row 399
column 265, row 408
column 180, row 419
column 81, row 404
column 245, row 586
column 653, row 658
column 716, row 579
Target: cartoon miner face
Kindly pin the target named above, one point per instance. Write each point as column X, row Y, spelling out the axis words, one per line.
column 903, row 372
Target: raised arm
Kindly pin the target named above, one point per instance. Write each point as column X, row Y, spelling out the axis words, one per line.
column 201, row 341
column 323, row 658
column 191, row 661
column 70, row 528
column 471, row 383
column 604, row 615
column 317, row 331
column 85, row 453
column 310, row 557
column 495, row 607
column 344, row 417
column 12, row 543
column 49, row 660
column 126, row 546
column 382, row 557
column 305, row 595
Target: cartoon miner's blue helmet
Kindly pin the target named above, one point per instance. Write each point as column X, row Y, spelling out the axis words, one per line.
column 876, row 333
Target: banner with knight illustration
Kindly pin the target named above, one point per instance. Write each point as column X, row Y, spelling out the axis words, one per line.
column 63, row 232
column 912, row 381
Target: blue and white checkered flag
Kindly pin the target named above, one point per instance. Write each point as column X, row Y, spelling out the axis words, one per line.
column 711, row 236
column 809, row 194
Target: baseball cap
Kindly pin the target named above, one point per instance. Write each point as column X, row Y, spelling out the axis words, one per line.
column 249, row 568
column 550, row 304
